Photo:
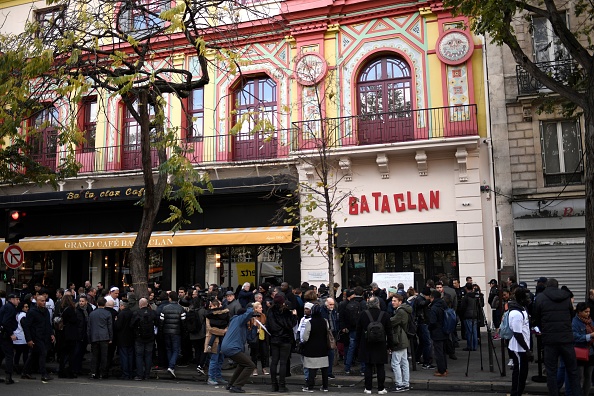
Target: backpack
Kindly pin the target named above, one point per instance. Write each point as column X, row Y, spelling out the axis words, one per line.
column 375, row 332
column 193, row 324
column 353, row 311
column 145, row 329
column 411, row 327
column 505, row 330
column 449, row 321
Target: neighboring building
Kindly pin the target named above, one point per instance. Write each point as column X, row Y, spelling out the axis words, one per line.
column 538, row 162
column 412, row 145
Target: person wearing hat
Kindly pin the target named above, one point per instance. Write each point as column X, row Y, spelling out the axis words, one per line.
column 541, row 284
column 232, row 304
column 114, row 293
column 8, row 324
column 301, row 330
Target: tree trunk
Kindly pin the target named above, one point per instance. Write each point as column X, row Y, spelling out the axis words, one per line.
column 152, row 197
column 589, row 173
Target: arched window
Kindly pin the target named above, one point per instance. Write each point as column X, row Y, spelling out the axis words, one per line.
column 255, row 107
column 385, row 101
column 44, row 141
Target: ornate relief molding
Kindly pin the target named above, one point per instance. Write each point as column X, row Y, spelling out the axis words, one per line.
column 462, row 157
column 382, row 164
column 421, row 159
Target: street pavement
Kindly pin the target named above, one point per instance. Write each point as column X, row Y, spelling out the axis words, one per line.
column 471, row 372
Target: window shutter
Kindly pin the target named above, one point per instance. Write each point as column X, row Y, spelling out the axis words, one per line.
column 542, row 148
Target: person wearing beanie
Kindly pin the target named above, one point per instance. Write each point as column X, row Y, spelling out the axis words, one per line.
column 281, row 321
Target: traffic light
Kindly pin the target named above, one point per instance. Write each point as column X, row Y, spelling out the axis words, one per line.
column 14, row 226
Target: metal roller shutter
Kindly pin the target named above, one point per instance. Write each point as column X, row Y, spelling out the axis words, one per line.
column 553, row 256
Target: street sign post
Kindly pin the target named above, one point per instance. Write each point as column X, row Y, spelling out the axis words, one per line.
column 13, row 256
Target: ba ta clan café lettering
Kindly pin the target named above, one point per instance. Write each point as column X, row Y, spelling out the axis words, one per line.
column 107, row 193
column 392, row 203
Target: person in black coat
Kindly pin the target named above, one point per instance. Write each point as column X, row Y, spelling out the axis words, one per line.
column 144, row 339
column 374, row 355
column 9, row 325
column 83, row 309
column 39, row 335
column 125, row 340
column 280, row 323
column 315, row 348
column 436, row 320
column 69, row 336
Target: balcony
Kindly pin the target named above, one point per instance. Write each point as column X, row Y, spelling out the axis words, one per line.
column 561, row 71
column 395, row 127
column 383, row 128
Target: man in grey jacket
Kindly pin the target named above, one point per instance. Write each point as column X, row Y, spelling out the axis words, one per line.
column 100, row 335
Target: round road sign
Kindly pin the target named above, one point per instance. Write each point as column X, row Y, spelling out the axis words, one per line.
column 13, row 256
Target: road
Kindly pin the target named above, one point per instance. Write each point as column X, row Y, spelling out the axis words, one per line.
column 78, row 387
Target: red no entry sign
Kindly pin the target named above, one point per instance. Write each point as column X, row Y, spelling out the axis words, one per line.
column 13, row 256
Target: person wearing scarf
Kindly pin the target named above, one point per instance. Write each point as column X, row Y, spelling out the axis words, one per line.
column 583, row 335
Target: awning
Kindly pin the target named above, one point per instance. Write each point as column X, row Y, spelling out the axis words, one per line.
column 124, row 240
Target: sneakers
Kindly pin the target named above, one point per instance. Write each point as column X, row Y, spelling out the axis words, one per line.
column 382, row 392
column 399, row 389
column 137, row 378
column 347, row 372
column 428, row 367
column 324, row 389
column 265, row 372
column 212, row 382
column 367, row 391
column 200, row 371
column 255, row 373
column 222, row 381
column 307, row 389
column 510, row 363
column 496, row 337
column 171, row 372
column 46, row 378
column 331, row 376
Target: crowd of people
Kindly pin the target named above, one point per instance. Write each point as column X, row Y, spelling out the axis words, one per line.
column 369, row 326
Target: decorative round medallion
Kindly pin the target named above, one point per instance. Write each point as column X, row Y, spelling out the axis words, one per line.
column 310, row 68
column 454, row 46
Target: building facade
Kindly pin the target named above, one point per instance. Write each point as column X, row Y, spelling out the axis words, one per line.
column 401, row 85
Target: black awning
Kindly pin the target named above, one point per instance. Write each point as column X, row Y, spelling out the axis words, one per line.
column 398, row 235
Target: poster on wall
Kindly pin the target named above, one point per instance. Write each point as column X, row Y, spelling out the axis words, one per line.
column 388, row 279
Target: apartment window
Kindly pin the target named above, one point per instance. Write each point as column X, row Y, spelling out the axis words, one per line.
column 255, row 105
column 50, row 21
column 562, row 153
column 89, row 125
column 195, row 131
column 547, row 47
column 141, row 18
column 43, row 137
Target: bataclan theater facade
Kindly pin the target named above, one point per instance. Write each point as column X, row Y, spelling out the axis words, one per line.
column 422, row 211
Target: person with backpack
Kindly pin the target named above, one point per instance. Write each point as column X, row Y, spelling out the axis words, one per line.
column 352, row 314
column 374, row 338
column 400, row 322
column 519, row 343
column 438, row 336
column 143, row 322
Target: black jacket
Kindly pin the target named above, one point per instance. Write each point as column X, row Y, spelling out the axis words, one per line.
column 374, row 353
column 218, row 318
column 280, row 324
column 436, row 318
column 8, row 320
column 70, row 322
column 172, row 319
column 137, row 317
column 469, row 307
column 553, row 313
column 37, row 326
column 123, row 330
column 317, row 342
column 82, row 320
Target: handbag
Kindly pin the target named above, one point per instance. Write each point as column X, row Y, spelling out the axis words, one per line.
column 330, row 337
column 582, row 353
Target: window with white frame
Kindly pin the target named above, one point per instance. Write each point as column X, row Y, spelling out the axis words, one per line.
column 547, row 47
column 561, row 152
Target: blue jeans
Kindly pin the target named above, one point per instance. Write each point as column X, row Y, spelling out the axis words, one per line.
column 172, row 344
column 126, row 360
column 216, row 364
column 144, row 358
column 471, row 335
column 330, row 359
column 351, row 352
column 426, row 343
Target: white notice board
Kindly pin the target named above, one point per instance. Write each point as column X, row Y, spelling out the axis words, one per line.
column 388, row 279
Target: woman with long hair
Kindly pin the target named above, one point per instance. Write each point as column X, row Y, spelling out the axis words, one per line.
column 70, row 336
column 583, row 337
column 281, row 321
column 258, row 341
column 315, row 349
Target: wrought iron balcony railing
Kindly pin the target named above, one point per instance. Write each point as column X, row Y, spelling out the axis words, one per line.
column 561, row 71
column 393, row 127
